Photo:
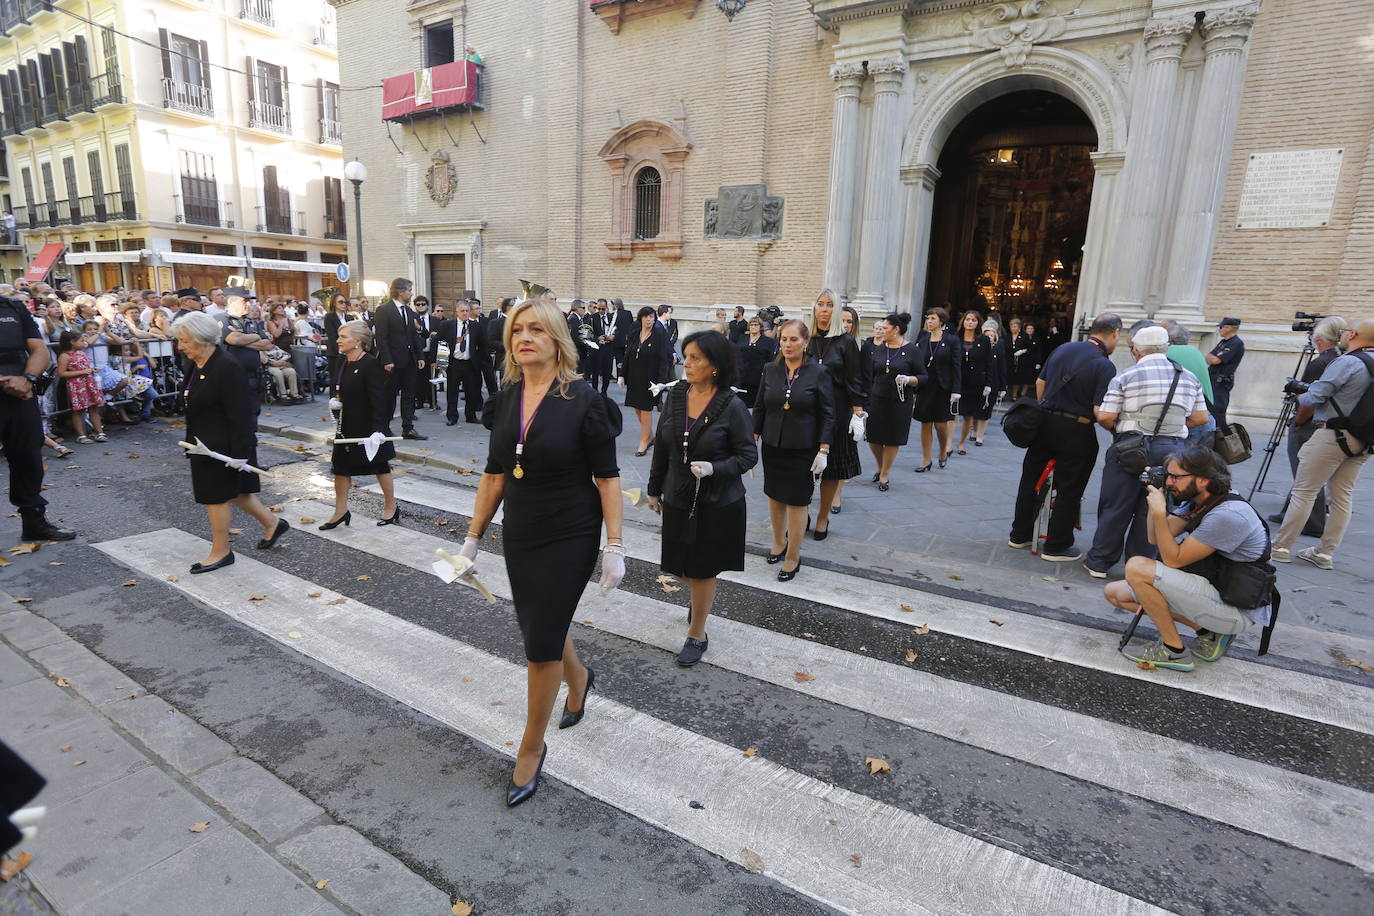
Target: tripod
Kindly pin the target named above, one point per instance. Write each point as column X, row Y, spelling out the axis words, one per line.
column 1290, row 406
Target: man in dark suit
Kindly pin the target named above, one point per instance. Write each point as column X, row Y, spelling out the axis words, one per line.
column 467, row 348
column 580, row 329
column 496, row 335
column 401, row 352
column 427, row 326
column 739, row 328
column 665, row 318
column 488, row 363
column 622, row 326
column 599, row 365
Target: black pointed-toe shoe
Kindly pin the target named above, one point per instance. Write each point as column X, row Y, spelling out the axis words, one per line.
column 517, row 794
column 226, row 560
column 283, row 526
column 572, row 718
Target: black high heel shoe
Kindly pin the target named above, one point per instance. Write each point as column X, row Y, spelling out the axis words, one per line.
column 283, row 526
column 226, row 560
column 572, row 718
column 787, row 576
column 943, row 461
column 819, row 535
column 922, row 470
column 772, row 558
column 394, row 520
column 517, row 794
column 345, row 520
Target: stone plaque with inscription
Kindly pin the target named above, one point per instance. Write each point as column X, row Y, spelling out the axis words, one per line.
column 1289, row 189
column 743, row 212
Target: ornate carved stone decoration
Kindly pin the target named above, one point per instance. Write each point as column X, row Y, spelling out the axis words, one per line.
column 1120, row 59
column 743, row 212
column 846, row 70
column 1012, row 29
column 441, row 179
column 615, row 13
column 662, row 145
column 1167, row 36
column 1229, row 29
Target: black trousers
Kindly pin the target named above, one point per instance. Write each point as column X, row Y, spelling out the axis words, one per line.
column 605, row 368
column 401, row 383
column 424, row 390
column 1122, row 517
column 466, row 373
column 1073, row 446
column 489, row 376
column 21, row 433
column 1221, row 400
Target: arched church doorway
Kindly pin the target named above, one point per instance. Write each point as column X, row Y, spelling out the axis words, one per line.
column 1011, row 209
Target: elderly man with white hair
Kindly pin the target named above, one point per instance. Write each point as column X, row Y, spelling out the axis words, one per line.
column 1148, row 408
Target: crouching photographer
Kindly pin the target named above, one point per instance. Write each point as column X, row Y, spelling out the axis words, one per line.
column 1213, row 573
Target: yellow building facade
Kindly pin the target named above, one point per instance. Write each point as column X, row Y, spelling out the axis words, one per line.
column 171, row 143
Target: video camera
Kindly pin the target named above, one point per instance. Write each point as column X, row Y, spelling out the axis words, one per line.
column 1295, row 387
column 1305, row 322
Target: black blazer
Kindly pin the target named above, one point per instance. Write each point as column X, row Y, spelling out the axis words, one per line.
column 752, row 358
column 398, row 342
column 999, row 366
column 841, row 358
column 942, row 360
column 496, row 338
column 426, row 325
column 477, row 342
column 723, row 435
column 655, row 352
column 219, row 411
column 332, row 323
column 363, row 393
column 976, row 366
column 622, row 323
column 810, row 422
column 739, row 330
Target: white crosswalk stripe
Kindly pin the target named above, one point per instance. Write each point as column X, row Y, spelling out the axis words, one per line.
column 1308, row 813
column 803, row 830
column 1240, row 681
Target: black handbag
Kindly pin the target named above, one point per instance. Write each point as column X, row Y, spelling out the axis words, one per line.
column 1132, row 449
column 1024, row 417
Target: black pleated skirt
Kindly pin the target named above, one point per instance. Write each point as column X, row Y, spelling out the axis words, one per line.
column 707, row 546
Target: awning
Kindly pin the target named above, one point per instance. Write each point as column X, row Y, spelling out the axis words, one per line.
column 204, row 260
column 44, row 262
column 307, row 267
column 104, row 257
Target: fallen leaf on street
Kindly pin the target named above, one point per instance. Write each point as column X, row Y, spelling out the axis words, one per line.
column 300, row 448
column 809, row 635
column 908, row 608
column 751, row 860
column 801, row 677
column 63, row 682
column 319, row 885
column 664, row 580
column 135, row 455
column 174, row 578
column 441, row 521
column 236, row 531
column 78, row 763
column 133, row 696
column 337, row 601
column 4, row 562
column 996, row 623
column 294, row 634
column 910, row 655
column 128, row 583
column 467, row 680
column 313, row 595
column 857, row 859
column 1145, row 666
column 257, row 597
column 307, row 521
column 364, row 577
column 200, row 827
column 1049, row 578
column 751, row 751
column 956, row 576
column 923, row 629
column 832, row 822
column 275, row 508
column 65, row 748
column 11, row 867
column 22, row 601
column 669, row 589
column 877, row 765
column 1366, row 667
column 24, row 548
column 461, row 908
column 498, row 702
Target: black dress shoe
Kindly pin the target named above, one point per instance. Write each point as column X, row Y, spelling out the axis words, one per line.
column 36, row 527
column 884, row 486
column 1276, row 518
column 412, row 434
column 346, row 520
column 773, row 557
column 835, row 510
column 875, row 478
column 819, row 535
column 978, row 443
column 517, row 794
column 786, row 576
column 283, row 526
column 922, row 470
column 572, row 718
column 943, row 461
column 394, row 520
column 198, row 568
column 692, row 651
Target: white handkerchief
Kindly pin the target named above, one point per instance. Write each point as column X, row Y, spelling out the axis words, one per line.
column 444, row 571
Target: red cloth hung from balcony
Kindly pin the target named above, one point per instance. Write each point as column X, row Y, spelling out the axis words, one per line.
column 431, row 90
column 44, row 262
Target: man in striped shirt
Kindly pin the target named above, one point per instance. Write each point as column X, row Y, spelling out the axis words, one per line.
column 1138, row 399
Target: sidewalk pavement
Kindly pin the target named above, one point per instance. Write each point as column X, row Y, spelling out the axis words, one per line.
column 953, row 521
column 149, row 813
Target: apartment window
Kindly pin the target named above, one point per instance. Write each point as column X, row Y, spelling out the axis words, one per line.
column 95, row 206
column 648, row 196
column 276, row 203
column 279, row 254
column 335, row 225
column 73, row 201
column 26, row 179
column 439, row 44
column 199, row 190
column 185, row 74
column 77, row 70
column 328, row 97
column 268, row 105
column 124, row 172
column 107, row 84
column 49, row 191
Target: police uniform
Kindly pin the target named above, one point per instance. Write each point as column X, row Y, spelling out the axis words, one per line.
column 21, row 426
column 1223, row 374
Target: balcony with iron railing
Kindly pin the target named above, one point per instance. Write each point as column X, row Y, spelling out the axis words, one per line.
column 204, row 211
column 266, row 116
column 329, row 132
column 335, row 228
column 18, row 12
column 189, row 97
column 101, row 208
column 106, row 89
column 77, row 99
column 281, row 221
column 327, row 36
column 447, row 88
column 50, row 108
column 259, row 11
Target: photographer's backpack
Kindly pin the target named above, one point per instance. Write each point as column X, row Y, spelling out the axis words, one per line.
column 1360, row 421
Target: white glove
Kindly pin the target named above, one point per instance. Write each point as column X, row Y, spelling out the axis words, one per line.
column 987, row 390
column 620, row 381
column 373, row 444
column 238, row 464
column 612, row 570
column 856, row 427
column 702, row 469
column 818, row 466
column 1019, row 353
column 335, row 404
column 953, row 403
column 469, row 551
column 901, row 381
column 655, row 505
column 1001, row 394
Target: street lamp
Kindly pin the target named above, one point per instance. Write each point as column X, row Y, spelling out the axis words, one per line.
column 356, row 172
column 731, row 8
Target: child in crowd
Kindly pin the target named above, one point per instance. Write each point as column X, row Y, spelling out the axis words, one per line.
column 83, row 390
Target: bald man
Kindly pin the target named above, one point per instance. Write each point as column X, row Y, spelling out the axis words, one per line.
column 1333, row 457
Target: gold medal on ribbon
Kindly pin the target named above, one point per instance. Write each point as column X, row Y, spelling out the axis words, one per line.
column 518, row 472
column 787, row 405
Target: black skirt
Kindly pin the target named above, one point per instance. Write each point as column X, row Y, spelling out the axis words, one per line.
column 844, row 452
column 889, row 421
column 718, row 544
column 932, row 403
column 976, row 405
column 546, row 583
column 351, row 461
column 214, row 482
column 787, row 475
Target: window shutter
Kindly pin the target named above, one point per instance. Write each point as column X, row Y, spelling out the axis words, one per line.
column 252, row 68
column 285, row 93
column 319, row 98
column 83, row 66
column 205, row 64
column 59, row 80
column 165, row 42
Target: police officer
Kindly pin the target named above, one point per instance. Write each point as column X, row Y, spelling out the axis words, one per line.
column 23, row 355
column 1222, row 364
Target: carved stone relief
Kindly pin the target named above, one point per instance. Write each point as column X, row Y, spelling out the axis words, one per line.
column 1012, row 29
column 441, row 179
column 743, row 212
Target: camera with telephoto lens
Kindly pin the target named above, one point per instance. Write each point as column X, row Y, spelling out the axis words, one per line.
column 1154, row 477
column 1295, row 387
column 1304, row 322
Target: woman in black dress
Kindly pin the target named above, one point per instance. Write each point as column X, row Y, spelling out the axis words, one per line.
column 334, row 318
column 552, row 460
column 648, row 359
column 999, row 364
column 754, row 352
column 704, row 445
column 838, row 353
column 938, row 397
column 1026, row 360
column 849, row 320
column 975, row 369
column 219, row 412
column 795, row 418
column 898, row 372
column 361, row 404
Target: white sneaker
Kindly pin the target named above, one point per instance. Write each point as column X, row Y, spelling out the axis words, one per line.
column 1280, row 555
column 1096, row 574
column 1315, row 557
column 1018, row 545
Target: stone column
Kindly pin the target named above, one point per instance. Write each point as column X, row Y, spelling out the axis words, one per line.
column 844, row 173
column 1147, row 157
column 1096, row 247
column 919, row 181
column 877, row 235
column 1225, row 35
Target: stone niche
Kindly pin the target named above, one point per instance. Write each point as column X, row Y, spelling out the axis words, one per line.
column 745, row 211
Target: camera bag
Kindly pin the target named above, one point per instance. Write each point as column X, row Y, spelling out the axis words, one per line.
column 1024, row 417
column 1132, row 449
column 1360, row 422
column 1232, row 442
column 1243, row 585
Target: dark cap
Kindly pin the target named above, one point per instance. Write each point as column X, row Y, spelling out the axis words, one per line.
column 237, row 291
column 189, row 292
column 1229, row 323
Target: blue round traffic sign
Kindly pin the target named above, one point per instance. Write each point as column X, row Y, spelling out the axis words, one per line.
column 341, row 271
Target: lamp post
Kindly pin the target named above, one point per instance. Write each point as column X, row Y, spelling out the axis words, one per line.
column 731, row 8
column 356, row 172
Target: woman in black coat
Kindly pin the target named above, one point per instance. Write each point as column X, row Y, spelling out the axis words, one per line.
column 648, row 359
column 363, row 411
column 975, row 368
column 898, row 372
column 334, row 318
column 704, row 445
column 838, row 353
column 1026, row 361
column 219, row 413
column 795, row 418
column 937, row 399
column 754, row 351
column 999, row 368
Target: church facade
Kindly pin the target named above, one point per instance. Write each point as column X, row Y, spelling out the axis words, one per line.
column 1037, row 158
